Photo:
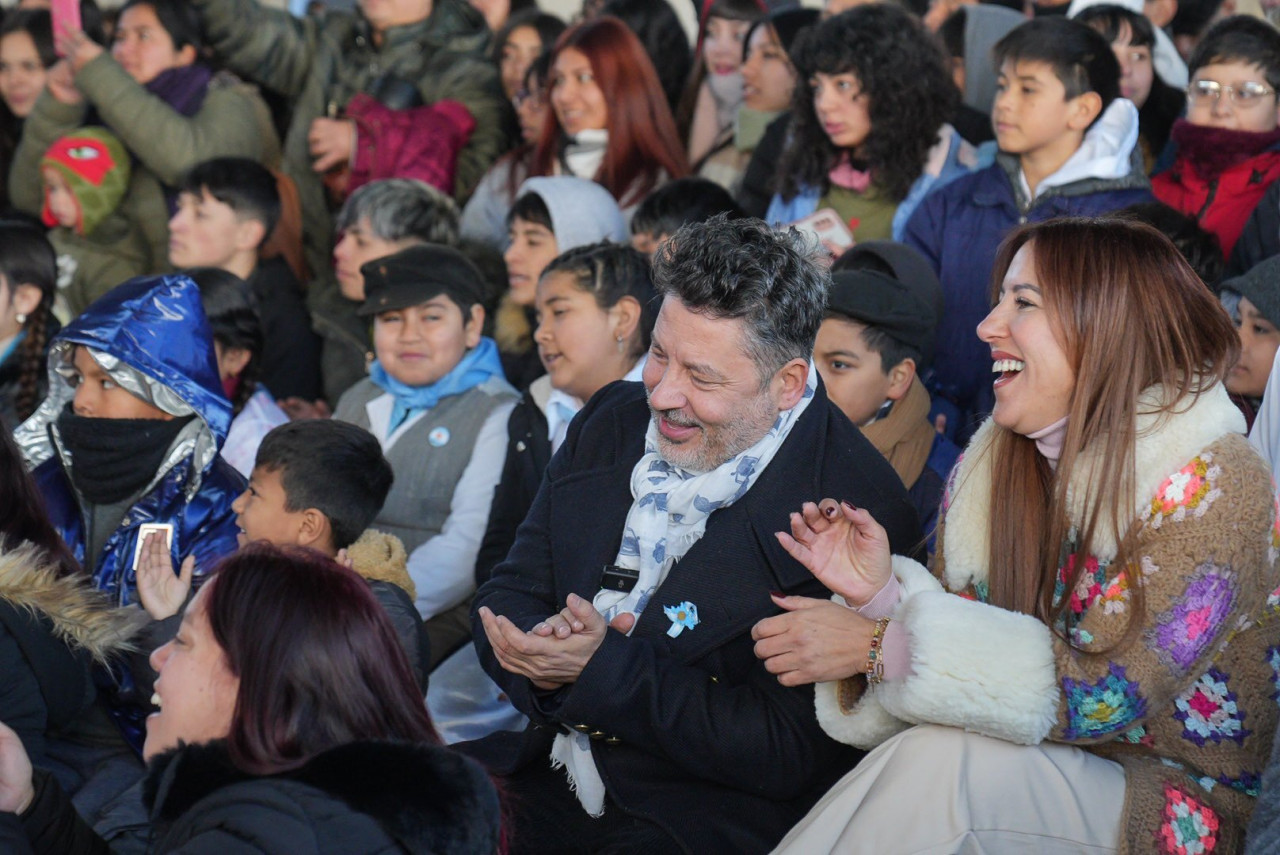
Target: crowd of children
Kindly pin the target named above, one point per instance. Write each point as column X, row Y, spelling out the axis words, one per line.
column 343, row 281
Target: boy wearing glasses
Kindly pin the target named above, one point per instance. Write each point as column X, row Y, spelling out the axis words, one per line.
column 1228, row 146
column 1068, row 147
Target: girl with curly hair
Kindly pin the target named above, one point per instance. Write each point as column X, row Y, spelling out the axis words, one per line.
column 869, row 134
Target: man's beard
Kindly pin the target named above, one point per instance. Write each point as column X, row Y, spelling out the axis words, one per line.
column 715, row 445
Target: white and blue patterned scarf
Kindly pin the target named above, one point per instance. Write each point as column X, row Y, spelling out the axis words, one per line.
column 669, row 515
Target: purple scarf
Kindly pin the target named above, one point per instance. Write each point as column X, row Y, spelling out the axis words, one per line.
column 182, row 88
column 1212, row 151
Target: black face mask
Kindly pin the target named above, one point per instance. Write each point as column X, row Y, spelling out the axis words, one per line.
column 113, row 459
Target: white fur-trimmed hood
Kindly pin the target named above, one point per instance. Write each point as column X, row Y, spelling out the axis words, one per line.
column 1165, row 443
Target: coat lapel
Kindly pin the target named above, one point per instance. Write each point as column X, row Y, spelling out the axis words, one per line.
column 729, row 573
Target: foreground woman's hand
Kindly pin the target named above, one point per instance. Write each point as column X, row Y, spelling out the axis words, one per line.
column 816, row 641
column 843, row 546
column 16, row 790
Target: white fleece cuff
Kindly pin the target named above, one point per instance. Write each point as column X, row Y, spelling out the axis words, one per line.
column 977, row 667
column 868, row 723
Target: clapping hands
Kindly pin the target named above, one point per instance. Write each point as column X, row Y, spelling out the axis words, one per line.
column 555, row 651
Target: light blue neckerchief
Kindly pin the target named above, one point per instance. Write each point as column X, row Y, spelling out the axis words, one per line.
column 476, row 366
column 13, row 345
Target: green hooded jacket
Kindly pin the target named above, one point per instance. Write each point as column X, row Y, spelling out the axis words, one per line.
column 233, row 121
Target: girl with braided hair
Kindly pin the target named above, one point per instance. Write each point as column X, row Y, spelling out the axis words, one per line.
column 28, row 276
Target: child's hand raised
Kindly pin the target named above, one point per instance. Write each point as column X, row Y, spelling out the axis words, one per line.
column 161, row 591
column 843, row 546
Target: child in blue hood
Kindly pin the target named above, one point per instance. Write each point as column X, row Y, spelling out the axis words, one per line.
column 126, row 445
column 437, row 401
column 130, row 431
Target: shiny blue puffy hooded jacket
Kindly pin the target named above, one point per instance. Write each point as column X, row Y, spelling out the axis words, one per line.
column 157, row 325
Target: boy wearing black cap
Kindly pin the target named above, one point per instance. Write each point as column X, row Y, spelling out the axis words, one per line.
column 437, row 401
column 1258, row 319
column 882, row 311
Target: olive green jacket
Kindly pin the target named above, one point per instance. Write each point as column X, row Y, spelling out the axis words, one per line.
column 319, row 66
column 233, row 121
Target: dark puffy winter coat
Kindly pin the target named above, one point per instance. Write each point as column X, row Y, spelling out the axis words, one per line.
column 52, row 628
column 364, row 797
column 528, row 453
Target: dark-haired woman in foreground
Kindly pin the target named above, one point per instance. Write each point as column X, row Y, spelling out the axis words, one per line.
column 289, row 722
column 1091, row 665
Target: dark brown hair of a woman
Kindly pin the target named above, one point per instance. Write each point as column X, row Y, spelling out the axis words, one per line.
column 1131, row 315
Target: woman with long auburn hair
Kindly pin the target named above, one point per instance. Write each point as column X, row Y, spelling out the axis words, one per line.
column 288, row 721
column 1091, row 661
column 609, row 122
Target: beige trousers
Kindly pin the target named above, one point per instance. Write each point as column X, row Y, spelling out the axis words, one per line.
column 940, row 790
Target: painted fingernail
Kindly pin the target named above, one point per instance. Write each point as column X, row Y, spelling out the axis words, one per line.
column 777, row 594
column 848, row 505
column 829, row 511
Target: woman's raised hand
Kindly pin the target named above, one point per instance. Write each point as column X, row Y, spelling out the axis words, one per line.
column 61, row 82
column 16, row 789
column 78, row 48
column 843, row 546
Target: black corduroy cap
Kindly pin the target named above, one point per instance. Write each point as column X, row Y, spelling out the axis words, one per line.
column 877, row 300
column 413, row 276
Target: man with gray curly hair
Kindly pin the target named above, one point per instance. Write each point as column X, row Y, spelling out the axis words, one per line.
column 620, row 622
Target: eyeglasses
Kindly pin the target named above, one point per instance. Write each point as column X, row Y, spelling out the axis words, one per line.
column 1247, row 94
column 525, row 96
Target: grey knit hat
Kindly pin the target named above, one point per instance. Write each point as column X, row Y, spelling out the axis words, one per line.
column 1261, row 286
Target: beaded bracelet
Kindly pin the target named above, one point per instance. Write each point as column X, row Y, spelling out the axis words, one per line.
column 875, row 661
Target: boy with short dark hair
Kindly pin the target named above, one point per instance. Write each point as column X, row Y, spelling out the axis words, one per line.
column 874, row 345
column 1068, row 146
column 1228, row 146
column 227, row 208
column 665, row 210
column 320, row 483
column 317, row 483
column 1254, row 301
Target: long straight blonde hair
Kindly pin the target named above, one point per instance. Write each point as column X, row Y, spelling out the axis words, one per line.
column 1130, row 314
